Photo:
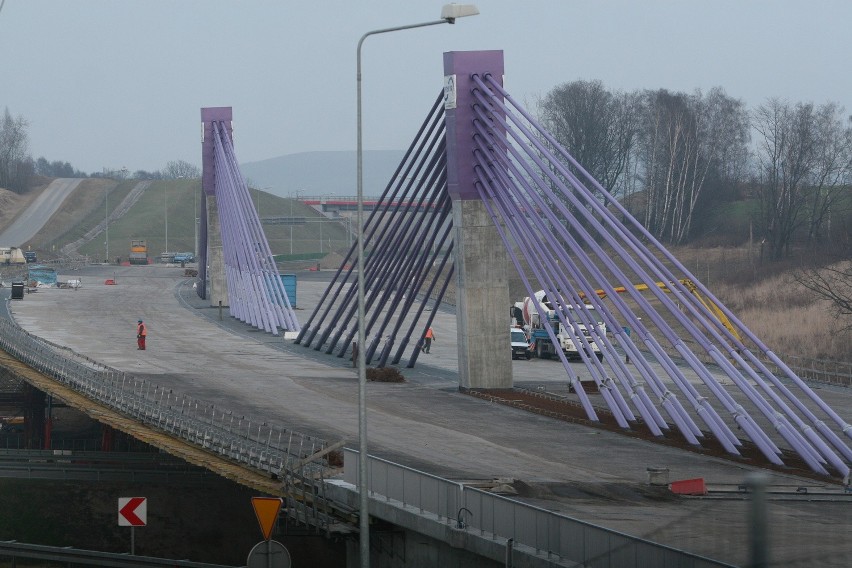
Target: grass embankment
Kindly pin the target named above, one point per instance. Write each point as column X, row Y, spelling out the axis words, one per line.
column 782, row 313
column 177, row 201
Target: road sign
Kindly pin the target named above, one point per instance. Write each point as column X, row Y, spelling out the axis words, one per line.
column 266, row 509
column 268, row 554
column 132, row 511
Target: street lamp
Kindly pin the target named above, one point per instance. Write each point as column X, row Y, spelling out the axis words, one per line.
column 298, row 195
column 106, row 220
column 449, row 13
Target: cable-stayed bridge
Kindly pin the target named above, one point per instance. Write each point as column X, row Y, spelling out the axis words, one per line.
column 495, row 194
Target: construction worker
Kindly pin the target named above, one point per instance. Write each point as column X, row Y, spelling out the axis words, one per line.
column 141, row 333
column 427, row 340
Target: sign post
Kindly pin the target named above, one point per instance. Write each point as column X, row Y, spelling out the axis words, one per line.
column 269, row 553
column 132, row 512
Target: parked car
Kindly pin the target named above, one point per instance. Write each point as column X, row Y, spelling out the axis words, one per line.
column 520, row 343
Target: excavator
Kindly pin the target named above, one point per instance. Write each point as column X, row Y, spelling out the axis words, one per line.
column 692, row 289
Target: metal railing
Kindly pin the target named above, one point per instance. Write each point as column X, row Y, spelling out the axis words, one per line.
column 77, row 557
column 496, row 517
column 253, row 443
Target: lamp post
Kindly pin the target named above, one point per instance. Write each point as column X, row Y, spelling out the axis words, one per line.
column 195, row 216
column 298, row 195
column 106, row 221
column 449, row 13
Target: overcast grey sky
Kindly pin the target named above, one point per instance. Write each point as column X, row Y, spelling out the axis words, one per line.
column 121, row 83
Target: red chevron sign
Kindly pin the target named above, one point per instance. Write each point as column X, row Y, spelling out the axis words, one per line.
column 132, row 511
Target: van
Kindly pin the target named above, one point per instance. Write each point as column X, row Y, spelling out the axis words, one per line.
column 520, row 343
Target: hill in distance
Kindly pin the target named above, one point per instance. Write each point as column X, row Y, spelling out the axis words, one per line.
column 323, row 173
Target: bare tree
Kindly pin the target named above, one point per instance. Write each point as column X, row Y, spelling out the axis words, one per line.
column 596, row 126
column 831, row 168
column 687, row 140
column 14, row 140
column 180, row 169
column 804, row 157
column 833, row 284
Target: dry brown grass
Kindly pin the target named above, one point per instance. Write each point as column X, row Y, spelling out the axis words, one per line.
column 780, row 312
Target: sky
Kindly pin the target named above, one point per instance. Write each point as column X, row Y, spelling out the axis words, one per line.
column 112, row 84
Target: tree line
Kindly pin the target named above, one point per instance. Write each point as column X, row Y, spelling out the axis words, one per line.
column 672, row 156
column 17, row 167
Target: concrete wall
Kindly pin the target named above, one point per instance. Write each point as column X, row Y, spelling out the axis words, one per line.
column 482, row 299
column 394, row 547
column 217, row 288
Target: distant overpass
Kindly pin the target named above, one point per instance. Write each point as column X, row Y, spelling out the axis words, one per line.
column 331, row 204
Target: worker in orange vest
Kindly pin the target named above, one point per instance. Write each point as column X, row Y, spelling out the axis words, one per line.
column 428, row 339
column 141, row 333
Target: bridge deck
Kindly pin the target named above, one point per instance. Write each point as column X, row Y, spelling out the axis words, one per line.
column 425, row 423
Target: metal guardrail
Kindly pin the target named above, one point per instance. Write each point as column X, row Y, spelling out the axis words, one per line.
column 818, row 370
column 253, row 443
column 494, row 516
column 77, row 557
column 821, row 370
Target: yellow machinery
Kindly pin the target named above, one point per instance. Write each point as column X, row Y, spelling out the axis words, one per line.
column 693, row 289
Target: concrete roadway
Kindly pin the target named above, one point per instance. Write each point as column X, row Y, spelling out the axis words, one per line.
column 426, row 423
column 31, row 220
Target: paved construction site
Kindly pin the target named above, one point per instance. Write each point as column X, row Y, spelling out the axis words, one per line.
column 592, row 474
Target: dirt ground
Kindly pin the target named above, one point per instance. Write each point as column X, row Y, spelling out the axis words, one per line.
column 572, row 411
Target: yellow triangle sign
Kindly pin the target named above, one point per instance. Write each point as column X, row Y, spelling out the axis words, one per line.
column 266, row 510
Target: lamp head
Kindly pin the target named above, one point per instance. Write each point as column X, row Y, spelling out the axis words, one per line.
column 452, row 11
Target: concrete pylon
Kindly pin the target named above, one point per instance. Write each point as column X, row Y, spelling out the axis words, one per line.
column 211, row 258
column 481, row 262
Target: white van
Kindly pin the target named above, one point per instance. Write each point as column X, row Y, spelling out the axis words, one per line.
column 520, row 344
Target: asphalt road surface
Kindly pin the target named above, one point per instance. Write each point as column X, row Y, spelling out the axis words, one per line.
column 426, row 423
column 34, row 217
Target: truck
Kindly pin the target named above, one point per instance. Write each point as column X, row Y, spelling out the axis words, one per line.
column 30, row 256
column 138, row 252
column 12, row 255
column 537, row 325
column 12, row 423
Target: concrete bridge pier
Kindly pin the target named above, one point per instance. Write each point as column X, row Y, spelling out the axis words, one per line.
column 214, row 286
column 481, row 262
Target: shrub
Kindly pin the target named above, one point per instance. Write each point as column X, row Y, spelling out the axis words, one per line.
column 385, row 375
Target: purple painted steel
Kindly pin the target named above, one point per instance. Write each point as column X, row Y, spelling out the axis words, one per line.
column 461, row 65
column 424, row 160
column 795, row 440
column 391, row 190
column 256, row 294
column 410, row 275
column 742, row 419
column 384, row 263
column 739, row 414
column 427, row 294
column 683, row 384
column 681, row 418
column 210, row 115
column 202, row 246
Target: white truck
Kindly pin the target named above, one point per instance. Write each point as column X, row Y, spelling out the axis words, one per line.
column 12, row 255
column 536, row 324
